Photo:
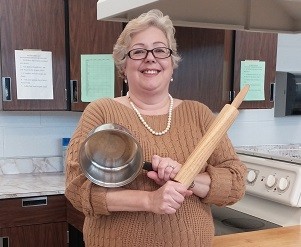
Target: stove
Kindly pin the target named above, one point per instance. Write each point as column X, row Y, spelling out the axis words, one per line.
column 273, row 190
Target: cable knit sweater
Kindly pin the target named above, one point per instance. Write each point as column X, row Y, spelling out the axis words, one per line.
column 192, row 224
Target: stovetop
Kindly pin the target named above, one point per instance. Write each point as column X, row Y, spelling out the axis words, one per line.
column 274, row 172
column 284, row 152
column 273, row 183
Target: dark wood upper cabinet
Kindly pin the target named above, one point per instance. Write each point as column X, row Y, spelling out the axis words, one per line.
column 88, row 36
column 209, row 70
column 37, row 25
column 256, row 46
column 205, row 72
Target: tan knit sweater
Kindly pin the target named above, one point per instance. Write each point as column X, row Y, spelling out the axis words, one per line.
column 192, row 224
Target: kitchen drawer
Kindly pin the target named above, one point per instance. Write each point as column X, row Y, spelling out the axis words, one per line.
column 32, row 210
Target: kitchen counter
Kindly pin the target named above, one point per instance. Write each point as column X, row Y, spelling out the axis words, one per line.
column 282, row 237
column 53, row 183
column 283, row 152
column 32, row 184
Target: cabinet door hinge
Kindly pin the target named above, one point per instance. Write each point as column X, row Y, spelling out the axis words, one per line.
column 231, row 95
column 4, row 241
column 74, row 90
column 6, row 89
column 272, row 92
column 67, row 237
column 66, row 95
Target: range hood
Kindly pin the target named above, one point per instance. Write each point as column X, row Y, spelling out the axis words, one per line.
column 279, row 16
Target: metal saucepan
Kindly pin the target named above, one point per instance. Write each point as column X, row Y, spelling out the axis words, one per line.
column 111, row 156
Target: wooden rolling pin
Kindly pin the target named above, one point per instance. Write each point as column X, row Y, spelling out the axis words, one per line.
column 210, row 140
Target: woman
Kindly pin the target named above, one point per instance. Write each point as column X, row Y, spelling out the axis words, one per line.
column 153, row 210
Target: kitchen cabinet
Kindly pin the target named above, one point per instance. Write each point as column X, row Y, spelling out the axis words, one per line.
column 74, row 217
column 256, row 46
column 47, row 235
column 210, row 68
column 75, row 237
column 209, row 71
column 205, row 72
column 75, row 220
column 88, row 36
column 36, row 221
column 37, row 25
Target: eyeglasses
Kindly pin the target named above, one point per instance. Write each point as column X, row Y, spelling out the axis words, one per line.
column 158, row 52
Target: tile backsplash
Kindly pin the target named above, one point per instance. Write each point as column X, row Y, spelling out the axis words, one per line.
column 35, row 134
column 30, row 165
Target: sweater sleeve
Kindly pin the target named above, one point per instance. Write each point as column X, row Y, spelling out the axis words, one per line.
column 225, row 169
column 227, row 175
column 81, row 192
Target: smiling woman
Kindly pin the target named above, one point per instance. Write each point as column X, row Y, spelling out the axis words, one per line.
column 148, row 65
column 153, row 209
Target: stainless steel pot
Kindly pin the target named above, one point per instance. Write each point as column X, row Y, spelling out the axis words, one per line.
column 111, row 156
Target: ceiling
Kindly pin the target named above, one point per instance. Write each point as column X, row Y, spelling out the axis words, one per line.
column 279, row 16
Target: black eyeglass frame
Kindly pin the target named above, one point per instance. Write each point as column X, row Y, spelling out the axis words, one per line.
column 151, row 51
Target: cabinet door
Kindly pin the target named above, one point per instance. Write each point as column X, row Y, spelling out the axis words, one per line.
column 76, row 238
column 46, row 235
column 74, row 217
column 37, row 25
column 88, row 36
column 256, row 46
column 34, row 221
column 75, row 220
column 205, row 72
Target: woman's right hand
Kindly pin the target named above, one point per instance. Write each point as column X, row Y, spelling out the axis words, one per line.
column 168, row 198
column 164, row 169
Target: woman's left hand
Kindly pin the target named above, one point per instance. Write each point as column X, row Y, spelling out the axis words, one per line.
column 165, row 169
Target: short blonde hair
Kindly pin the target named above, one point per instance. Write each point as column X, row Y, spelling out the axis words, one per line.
column 151, row 18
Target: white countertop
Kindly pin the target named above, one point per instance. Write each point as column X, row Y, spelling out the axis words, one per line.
column 285, row 152
column 28, row 185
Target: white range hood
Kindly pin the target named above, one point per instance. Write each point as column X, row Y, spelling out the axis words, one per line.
column 280, row 16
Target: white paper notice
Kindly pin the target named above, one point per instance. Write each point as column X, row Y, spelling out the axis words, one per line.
column 34, row 74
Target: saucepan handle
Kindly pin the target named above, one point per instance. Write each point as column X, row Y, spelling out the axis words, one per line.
column 147, row 166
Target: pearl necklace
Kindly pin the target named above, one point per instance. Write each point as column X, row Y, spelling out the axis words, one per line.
column 144, row 122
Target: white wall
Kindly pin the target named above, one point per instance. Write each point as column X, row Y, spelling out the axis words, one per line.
column 289, row 53
column 32, row 134
column 35, row 134
column 255, row 127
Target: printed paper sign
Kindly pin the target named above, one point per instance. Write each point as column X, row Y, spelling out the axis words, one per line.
column 97, row 77
column 34, row 74
column 253, row 73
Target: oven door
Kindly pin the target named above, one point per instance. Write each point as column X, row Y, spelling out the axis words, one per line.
column 228, row 221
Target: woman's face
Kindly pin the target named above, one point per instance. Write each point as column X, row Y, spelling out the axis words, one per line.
column 149, row 74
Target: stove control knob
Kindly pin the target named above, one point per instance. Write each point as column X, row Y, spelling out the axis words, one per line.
column 283, row 184
column 251, row 176
column 271, row 180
